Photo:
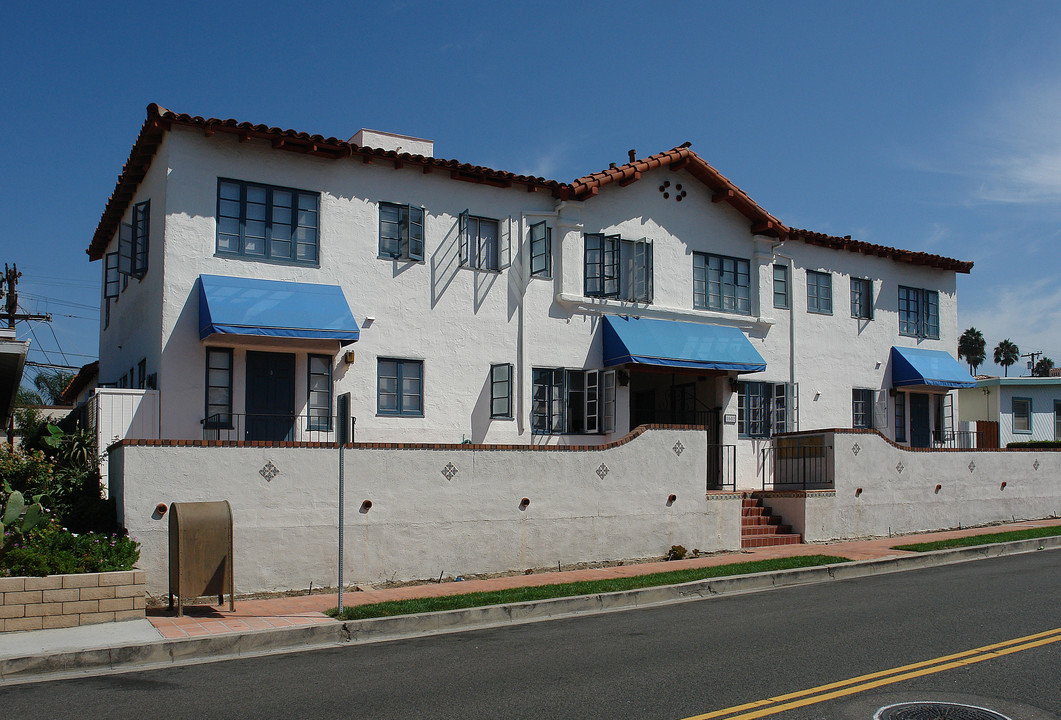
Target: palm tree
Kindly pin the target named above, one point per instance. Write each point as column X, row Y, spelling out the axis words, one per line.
column 1006, row 354
column 1043, row 367
column 972, row 347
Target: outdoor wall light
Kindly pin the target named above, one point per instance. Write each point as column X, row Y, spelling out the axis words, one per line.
column 938, row 488
column 670, row 499
column 366, row 506
column 524, row 503
column 349, row 356
column 161, row 508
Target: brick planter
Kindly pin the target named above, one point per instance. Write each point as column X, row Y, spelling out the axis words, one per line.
column 55, row 601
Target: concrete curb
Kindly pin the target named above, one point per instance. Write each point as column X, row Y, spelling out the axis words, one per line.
column 214, row 648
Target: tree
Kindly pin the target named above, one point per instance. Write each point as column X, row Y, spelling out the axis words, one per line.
column 50, row 385
column 972, row 347
column 1043, row 367
column 1006, row 354
column 24, row 397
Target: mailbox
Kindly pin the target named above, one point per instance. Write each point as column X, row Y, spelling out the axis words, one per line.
column 200, row 552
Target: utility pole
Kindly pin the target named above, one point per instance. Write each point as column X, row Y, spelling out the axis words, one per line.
column 11, row 276
column 1032, row 358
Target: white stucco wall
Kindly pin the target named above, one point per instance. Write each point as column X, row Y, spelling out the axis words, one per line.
column 421, row 523
column 460, row 321
column 892, row 502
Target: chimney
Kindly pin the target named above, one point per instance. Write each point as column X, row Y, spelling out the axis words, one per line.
column 393, row 141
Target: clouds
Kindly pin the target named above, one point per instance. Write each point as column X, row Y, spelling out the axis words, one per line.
column 1027, row 313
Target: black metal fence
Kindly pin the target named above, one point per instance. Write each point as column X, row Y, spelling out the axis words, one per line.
column 956, row 439
column 270, row 428
column 721, row 467
column 797, row 466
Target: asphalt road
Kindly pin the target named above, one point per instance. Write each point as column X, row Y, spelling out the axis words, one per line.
column 671, row 662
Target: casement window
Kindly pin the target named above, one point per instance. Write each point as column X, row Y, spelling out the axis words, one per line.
column 819, row 292
column 862, row 408
column 141, row 374
column 267, row 222
column 900, row 417
column 918, row 312
column 721, row 283
column 1022, row 415
column 501, row 391
column 572, row 401
column 218, row 388
column 319, row 392
column 401, row 231
column 1057, row 419
column 400, row 387
column 541, row 250
column 765, row 409
column 618, row 268
column 862, row 298
column 481, row 244
column 141, row 234
column 781, row 296
column 111, row 276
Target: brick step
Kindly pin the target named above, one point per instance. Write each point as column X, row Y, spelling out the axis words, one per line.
column 750, row 512
column 770, row 540
column 751, row 502
column 766, row 530
column 760, row 520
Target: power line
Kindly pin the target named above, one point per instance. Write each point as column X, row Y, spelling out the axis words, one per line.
column 58, row 301
column 52, row 366
column 71, row 354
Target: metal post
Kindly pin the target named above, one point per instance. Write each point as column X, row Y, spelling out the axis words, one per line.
column 342, row 407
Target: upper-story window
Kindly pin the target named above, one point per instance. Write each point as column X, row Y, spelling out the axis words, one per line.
column 401, row 231
column 618, row 268
column 480, row 243
column 781, row 287
column 862, row 298
column 918, row 312
column 721, row 283
column 541, row 250
column 819, row 292
column 267, row 222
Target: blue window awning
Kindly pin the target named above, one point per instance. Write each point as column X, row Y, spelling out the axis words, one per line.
column 273, row 308
column 670, row 343
column 935, row 368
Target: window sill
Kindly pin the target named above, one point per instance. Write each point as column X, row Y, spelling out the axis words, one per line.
column 478, row 269
column 603, row 305
column 267, row 261
column 410, row 261
column 818, row 312
column 399, row 415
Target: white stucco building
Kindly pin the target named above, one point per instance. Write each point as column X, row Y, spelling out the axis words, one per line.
column 1025, row 408
column 495, row 308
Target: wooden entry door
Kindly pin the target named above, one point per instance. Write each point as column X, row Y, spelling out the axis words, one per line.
column 920, row 428
column 270, row 400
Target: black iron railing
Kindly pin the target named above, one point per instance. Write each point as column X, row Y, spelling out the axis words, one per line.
column 797, row 467
column 721, row 467
column 956, row 439
column 270, row 428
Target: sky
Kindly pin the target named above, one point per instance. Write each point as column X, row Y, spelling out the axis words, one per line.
column 926, row 126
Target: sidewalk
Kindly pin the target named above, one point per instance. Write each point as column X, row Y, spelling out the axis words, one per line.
column 306, row 609
column 290, row 623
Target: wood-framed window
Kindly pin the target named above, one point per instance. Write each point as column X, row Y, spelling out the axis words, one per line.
column 267, row 222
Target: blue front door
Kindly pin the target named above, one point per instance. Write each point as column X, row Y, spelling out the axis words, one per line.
column 920, row 429
column 270, row 396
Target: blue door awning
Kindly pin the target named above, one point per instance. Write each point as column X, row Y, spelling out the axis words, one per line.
column 936, row 368
column 670, row 343
column 272, row 308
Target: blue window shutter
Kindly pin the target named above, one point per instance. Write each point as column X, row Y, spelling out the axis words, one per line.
column 504, row 243
column 416, row 233
column 125, row 249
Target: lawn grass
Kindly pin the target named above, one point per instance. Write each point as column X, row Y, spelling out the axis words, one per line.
column 587, row 587
column 985, row 539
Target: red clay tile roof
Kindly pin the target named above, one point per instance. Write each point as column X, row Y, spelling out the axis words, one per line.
column 78, row 382
column 865, row 248
column 160, row 120
column 681, row 157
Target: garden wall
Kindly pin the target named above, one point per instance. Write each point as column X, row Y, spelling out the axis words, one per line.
column 435, row 509
column 56, row 601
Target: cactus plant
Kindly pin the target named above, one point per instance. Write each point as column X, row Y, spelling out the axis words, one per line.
column 15, row 508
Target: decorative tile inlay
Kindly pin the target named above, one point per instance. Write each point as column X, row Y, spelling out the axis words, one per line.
column 900, row 467
column 269, row 471
column 678, row 447
column 856, row 449
column 602, row 471
column 972, row 466
column 450, row 471
column 1036, row 464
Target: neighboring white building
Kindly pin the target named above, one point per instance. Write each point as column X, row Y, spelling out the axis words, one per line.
column 1025, row 408
column 497, row 308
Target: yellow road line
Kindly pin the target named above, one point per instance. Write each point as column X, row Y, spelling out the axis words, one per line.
column 861, row 683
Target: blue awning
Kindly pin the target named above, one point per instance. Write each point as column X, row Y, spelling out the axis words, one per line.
column 272, row 308
column 937, row 368
column 670, row 343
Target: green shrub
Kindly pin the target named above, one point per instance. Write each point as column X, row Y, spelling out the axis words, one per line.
column 1041, row 444
column 677, row 552
column 53, row 550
